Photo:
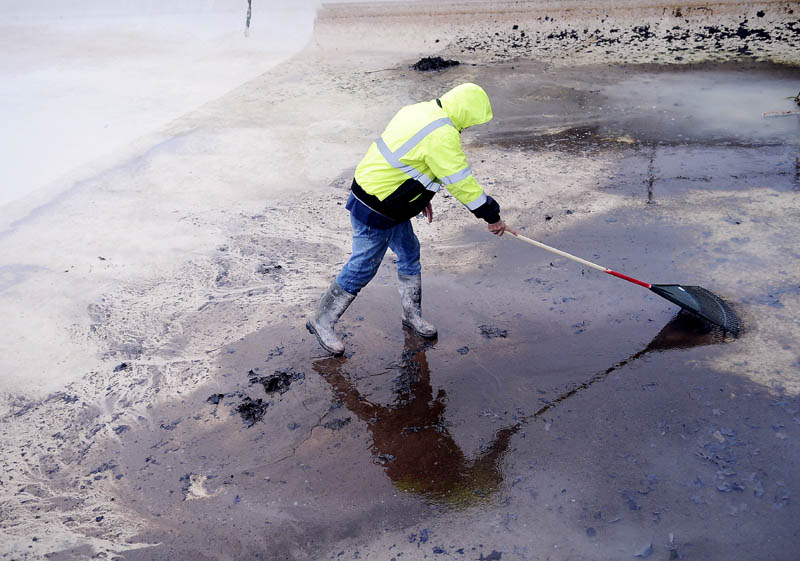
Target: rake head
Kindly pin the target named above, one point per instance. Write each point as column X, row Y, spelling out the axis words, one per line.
column 701, row 302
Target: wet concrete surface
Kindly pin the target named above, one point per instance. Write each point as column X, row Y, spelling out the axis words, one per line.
column 694, row 127
column 561, row 414
column 594, row 425
column 651, row 104
column 558, row 407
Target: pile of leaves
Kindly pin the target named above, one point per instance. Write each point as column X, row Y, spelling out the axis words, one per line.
column 437, row 63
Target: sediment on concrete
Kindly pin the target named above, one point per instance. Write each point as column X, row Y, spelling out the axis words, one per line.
column 165, row 330
column 632, row 32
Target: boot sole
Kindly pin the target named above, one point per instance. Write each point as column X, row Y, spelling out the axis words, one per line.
column 319, row 340
column 411, row 327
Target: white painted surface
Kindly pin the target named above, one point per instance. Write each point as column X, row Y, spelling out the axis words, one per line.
column 81, row 79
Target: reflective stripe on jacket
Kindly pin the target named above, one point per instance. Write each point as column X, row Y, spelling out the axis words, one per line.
column 420, row 151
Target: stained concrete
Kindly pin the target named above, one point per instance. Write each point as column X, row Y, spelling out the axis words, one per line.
column 561, row 413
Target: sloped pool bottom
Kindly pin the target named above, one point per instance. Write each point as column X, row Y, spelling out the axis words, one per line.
column 626, row 437
column 556, row 412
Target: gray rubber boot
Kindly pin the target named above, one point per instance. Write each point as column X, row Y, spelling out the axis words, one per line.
column 410, row 287
column 331, row 307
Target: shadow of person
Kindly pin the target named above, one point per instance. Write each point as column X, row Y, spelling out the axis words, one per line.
column 410, row 436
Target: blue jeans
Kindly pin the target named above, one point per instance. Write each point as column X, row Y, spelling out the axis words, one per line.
column 369, row 247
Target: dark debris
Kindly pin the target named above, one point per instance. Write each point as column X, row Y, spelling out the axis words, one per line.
column 252, row 411
column 279, row 381
column 337, row 424
column 492, row 332
column 427, row 64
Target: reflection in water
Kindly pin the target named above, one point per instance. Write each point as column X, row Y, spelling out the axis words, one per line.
column 683, row 331
column 410, row 436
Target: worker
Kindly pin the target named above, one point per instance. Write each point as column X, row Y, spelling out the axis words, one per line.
column 418, row 153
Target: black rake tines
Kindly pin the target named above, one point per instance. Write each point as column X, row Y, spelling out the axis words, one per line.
column 701, row 302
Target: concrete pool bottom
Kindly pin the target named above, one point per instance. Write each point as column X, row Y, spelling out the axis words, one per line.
column 724, row 217
column 663, row 446
column 654, row 450
column 667, row 444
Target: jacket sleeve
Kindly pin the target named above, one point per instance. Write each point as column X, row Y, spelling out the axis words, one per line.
column 448, row 163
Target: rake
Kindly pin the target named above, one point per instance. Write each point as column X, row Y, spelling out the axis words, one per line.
column 694, row 299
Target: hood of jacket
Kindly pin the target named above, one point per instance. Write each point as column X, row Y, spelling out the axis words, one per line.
column 467, row 105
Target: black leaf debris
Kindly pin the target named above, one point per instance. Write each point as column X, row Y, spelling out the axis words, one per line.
column 279, row 381
column 427, row 64
column 252, row 411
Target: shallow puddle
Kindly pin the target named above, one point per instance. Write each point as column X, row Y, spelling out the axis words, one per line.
column 410, row 436
column 676, row 128
column 695, row 104
column 402, row 434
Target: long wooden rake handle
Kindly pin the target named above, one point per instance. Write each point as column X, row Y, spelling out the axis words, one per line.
column 577, row 259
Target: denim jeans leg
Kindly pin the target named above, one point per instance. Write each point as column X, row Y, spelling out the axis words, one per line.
column 369, row 247
column 405, row 245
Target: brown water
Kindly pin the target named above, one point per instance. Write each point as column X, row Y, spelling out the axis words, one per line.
column 410, row 435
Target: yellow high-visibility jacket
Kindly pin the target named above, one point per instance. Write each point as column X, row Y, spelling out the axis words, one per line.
column 420, row 151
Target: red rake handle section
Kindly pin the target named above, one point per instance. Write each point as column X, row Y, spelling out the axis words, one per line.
column 629, row 279
column 577, row 259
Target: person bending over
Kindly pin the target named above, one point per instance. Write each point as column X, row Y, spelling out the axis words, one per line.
column 419, row 153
